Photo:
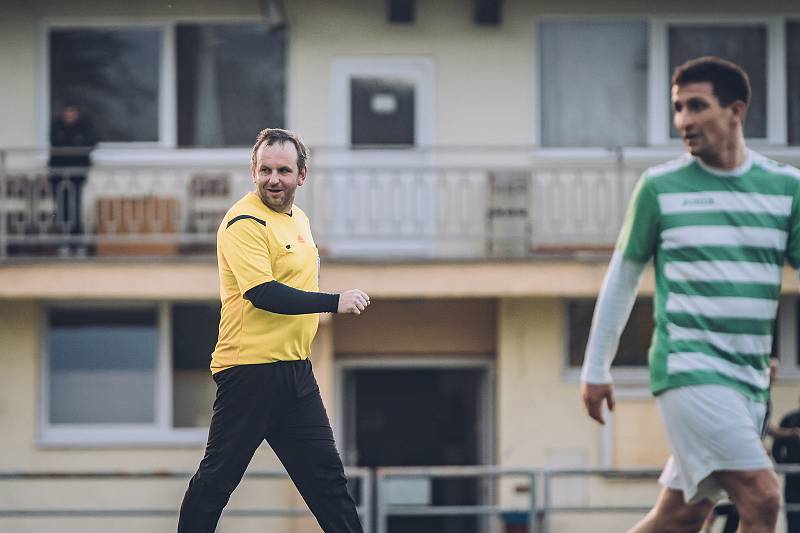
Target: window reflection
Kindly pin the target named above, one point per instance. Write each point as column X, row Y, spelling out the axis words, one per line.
column 594, row 83
column 793, row 81
column 102, row 366
column 744, row 45
column 231, row 82
column 194, row 335
column 633, row 344
column 113, row 74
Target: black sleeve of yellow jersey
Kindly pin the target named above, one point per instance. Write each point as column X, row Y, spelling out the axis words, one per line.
column 276, row 297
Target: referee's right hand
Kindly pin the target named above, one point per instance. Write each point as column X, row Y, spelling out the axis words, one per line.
column 353, row 301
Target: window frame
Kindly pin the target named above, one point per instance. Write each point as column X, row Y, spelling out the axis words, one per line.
column 658, row 91
column 418, row 68
column 160, row 432
column 167, row 89
column 788, row 341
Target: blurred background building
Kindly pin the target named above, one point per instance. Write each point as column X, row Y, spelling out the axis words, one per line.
column 471, row 161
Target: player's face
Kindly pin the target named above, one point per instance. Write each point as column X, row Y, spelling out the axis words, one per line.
column 704, row 125
column 276, row 177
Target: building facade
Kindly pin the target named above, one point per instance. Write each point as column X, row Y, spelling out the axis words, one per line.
column 470, row 166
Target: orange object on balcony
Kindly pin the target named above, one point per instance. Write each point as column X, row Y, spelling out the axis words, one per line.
column 137, row 226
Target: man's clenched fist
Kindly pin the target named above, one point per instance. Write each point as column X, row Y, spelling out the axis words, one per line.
column 353, row 301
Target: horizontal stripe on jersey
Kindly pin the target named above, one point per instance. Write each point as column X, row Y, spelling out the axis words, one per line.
column 722, row 306
column 725, row 289
column 711, row 377
column 692, row 236
column 722, row 324
column 757, row 361
column 754, row 220
column 724, row 253
column 747, row 272
column 742, row 343
column 724, row 201
column 682, row 362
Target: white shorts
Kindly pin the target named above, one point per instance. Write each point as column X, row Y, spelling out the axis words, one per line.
column 710, row 428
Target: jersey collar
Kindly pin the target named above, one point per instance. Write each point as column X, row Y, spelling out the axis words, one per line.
column 742, row 169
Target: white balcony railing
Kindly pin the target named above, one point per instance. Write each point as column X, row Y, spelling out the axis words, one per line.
column 422, row 204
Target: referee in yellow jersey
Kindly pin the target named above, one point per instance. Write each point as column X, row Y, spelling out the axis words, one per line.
column 269, row 271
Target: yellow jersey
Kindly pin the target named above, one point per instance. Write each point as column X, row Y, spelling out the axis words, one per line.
column 256, row 245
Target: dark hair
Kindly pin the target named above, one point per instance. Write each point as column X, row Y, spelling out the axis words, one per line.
column 729, row 81
column 278, row 136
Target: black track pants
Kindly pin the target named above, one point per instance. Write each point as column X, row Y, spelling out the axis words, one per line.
column 279, row 402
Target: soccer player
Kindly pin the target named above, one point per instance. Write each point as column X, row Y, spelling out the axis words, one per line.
column 269, row 272
column 718, row 223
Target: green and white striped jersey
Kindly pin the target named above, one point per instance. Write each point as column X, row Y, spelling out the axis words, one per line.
column 719, row 241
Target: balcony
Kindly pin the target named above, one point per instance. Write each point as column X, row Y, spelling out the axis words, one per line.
column 389, row 205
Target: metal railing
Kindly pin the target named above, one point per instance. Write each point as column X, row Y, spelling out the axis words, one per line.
column 419, row 204
column 434, row 203
column 537, row 511
column 385, row 509
column 362, row 476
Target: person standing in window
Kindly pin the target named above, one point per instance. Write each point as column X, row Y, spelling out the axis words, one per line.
column 72, row 138
column 719, row 223
column 269, row 275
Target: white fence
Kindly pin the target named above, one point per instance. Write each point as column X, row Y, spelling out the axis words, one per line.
column 421, row 204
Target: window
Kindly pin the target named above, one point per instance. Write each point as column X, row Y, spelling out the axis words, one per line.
column 594, row 83
column 786, row 345
column 192, row 85
column 605, row 83
column 194, row 335
column 381, row 111
column 128, row 373
column 231, row 81
column 793, row 81
column 113, row 74
column 102, row 366
column 382, row 103
column 744, row 45
column 634, row 342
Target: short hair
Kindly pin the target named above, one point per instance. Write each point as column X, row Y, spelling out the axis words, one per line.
column 729, row 82
column 279, row 136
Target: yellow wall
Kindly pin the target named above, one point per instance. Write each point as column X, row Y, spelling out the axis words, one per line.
column 19, row 387
column 533, row 402
column 541, row 422
column 458, row 327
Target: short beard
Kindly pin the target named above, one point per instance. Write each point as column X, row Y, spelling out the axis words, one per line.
column 267, row 201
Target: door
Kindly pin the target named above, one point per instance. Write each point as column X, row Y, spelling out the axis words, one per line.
column 421, row 417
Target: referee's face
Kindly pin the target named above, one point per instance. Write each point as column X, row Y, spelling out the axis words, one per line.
column 276, row 177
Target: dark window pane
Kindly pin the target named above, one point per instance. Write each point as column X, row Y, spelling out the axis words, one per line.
column 744, row 45
column 634, row 342
column 194, row 335
column 594, row 83
column 231, row 82
column 381, row 111
column 113, row 75
column 102, row 365
column 793, row 81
